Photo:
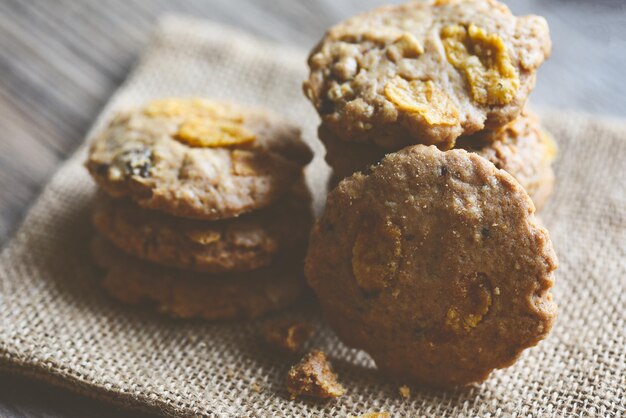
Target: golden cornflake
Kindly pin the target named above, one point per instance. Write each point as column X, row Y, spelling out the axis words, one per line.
column 171, row 107
column 207, row 132
column 190, row 107
column 203, row 237
column 422, row 98
column 406, row 46
column 246, row 163
column 485, row 62
column 473, row 304
column 550, row 144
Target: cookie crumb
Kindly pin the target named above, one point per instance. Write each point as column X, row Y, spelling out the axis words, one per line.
column 255, row 387
column 405, row 392
column 288, row 334
column 313, row 377
column 372, row 415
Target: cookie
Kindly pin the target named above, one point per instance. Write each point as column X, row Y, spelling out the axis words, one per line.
column 522, row 148
column 425, row 72
column 197, row 158
column 241, row 244
column 434, row 264
column 185, row 294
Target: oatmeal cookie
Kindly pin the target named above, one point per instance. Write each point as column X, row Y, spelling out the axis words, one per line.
column 522, row 148
column 426, row 71
column 435, row 264
column 185, row 294
column 197, row 158
column 245, row 243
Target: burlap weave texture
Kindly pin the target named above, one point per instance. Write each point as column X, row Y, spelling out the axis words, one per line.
column 57, row 325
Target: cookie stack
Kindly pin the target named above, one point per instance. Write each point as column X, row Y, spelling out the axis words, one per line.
column 203, row 209
column 429, row 255
column 450, row 73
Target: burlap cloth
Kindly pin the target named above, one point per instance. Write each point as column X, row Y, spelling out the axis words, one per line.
column 58, row 326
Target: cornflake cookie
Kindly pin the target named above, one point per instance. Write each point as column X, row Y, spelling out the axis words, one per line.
column 434, row 264
column 197, row 158
column 185, row 294
column 313, row 377
column 426, row 71
column 246, row 243
column 522, row 148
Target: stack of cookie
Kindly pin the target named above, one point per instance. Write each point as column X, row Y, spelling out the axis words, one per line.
column 203, row 209
column 450, row 73
column 429, row 255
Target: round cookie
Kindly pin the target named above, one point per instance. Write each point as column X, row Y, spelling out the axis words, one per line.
column 522, row 148
column 425, row 71
column 434, row 264
column 185, row 294
column 197, row 158
column 245, row 243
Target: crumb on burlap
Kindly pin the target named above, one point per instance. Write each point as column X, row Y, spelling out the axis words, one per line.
column 287, row 334
column 372, row 415
column 255, row 387
column 405, row 392
column 313, row 377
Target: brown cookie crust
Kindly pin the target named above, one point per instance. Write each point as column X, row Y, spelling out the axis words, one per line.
column 425, row 71
column 435, row 264
column 197, row 158
column 186, row 294
column 522, row 148
column 241, row 244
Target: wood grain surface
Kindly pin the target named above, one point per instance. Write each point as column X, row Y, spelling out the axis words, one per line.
column 61, row 59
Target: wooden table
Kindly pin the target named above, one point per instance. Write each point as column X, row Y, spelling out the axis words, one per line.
column 60, row 60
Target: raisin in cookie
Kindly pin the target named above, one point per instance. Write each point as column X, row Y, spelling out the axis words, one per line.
column 185, row 294
column 245, row 243
column 522, row 148
column 435, row 264
column 426, row 72
column 196, row 158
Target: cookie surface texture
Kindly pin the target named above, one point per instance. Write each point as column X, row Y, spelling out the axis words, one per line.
column 522, row 148
column 185, row 294
column 434, row 264
column 197, row 158
column 426, row 72
column 245, row 243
